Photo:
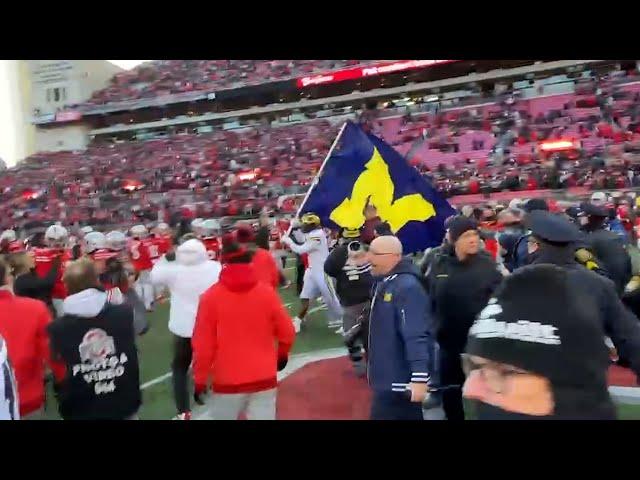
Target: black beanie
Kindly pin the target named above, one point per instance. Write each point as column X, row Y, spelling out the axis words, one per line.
column 538, row 322
column 458, row 225
column 536, row 204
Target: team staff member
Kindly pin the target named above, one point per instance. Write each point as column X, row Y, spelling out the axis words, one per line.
column 349, row 266
column 187, row 277
column 402, row 346
column 23, row 324
column 537, row 352
column 461, row 279
column 554, row 238
column 264, row 264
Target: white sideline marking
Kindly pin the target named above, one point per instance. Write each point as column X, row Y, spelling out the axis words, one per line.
column 159, row 379
column 629, row 395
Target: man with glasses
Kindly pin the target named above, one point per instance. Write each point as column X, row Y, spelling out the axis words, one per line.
column 537, row 351
column 402, row 347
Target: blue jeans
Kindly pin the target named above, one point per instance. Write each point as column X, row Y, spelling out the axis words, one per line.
column 394, row 406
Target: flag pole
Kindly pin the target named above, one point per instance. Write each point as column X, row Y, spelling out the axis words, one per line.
column 317, row 177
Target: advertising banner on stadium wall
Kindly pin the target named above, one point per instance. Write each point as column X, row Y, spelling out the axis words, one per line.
column 68, row 116
column 368, row 71
column 256, row 90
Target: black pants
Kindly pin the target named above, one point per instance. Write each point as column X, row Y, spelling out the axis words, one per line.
column 451, row 374
column 394, row 406
column 299, row 275
column 180, row 368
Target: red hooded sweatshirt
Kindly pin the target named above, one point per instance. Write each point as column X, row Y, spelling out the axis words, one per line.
column 23, row 324
column 265, row 267
column 241, row 331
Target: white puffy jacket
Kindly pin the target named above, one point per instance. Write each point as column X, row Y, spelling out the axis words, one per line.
column 188, row 277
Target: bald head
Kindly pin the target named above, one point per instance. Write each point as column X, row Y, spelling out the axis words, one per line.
column 80, row 275
column 385, row 253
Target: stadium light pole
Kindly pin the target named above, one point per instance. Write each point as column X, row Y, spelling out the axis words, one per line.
column 317, row 177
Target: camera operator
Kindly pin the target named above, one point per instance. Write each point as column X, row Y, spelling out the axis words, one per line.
column 348, row 264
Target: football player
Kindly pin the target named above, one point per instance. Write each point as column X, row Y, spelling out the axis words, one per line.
column 55, row 239
column 140, row 258
column 315, row 283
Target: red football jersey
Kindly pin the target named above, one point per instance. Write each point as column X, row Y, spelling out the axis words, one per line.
column 164, row 244
column 213, row 247
column 43, row 259
column 17, row 246
column 140, row 255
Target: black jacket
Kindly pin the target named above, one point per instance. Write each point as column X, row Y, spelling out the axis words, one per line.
column 459, row 291
column 609, row 249
column 617, row 321
column 353, row 283
column 101, row 360
column 31, row 285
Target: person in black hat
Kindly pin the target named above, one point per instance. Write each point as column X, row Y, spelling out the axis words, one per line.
column 606, row 246
column 460, row 279
column 520, row 255
column 553, row 240
column 348, row 265
column 524, row 361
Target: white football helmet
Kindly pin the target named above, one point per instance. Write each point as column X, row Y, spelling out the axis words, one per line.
column 116, row 240
column 139, row 231
column 94, row 241
column 196, row 225
column 56, row 236
column 162, row 229
column 8, row 236
column 86, row 230
column 210, row 228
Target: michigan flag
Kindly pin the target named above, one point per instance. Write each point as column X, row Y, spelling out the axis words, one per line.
column 361, row 170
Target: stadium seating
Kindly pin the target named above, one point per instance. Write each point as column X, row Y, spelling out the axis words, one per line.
column 491, row 147
column 169, row 77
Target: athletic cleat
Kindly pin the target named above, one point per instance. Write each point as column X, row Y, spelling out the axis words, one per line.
column 297, row 324
column 182, row 416
column 340, row 331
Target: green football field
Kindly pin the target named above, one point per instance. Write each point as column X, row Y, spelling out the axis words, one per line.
column 155, row 352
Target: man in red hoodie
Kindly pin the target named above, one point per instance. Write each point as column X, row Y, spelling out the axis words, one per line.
column 241, row 339
column 263, row 262
column 23, row 324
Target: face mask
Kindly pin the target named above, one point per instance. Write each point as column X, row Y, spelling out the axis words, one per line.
column 484, row 411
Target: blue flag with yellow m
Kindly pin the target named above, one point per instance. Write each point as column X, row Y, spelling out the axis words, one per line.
column 361, row 170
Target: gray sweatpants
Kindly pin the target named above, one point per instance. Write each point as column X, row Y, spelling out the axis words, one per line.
column 256, row 406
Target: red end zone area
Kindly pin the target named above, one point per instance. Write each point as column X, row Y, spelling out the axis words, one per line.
column 329, row 390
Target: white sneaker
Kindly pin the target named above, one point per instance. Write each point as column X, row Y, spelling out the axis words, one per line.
column 297, row 323
column 340, row 331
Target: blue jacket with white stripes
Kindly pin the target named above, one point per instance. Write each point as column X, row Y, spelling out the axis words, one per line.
column 402, row 345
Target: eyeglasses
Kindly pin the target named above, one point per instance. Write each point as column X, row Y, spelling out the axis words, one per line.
column 382, row 253
column 496, row 375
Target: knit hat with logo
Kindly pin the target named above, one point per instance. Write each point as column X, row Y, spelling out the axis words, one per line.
column 538, row 322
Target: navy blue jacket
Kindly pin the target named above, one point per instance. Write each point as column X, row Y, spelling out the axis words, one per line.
column 402, row 346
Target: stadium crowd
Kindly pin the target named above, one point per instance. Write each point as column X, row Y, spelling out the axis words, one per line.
column 169, row 77
column 589, row 140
